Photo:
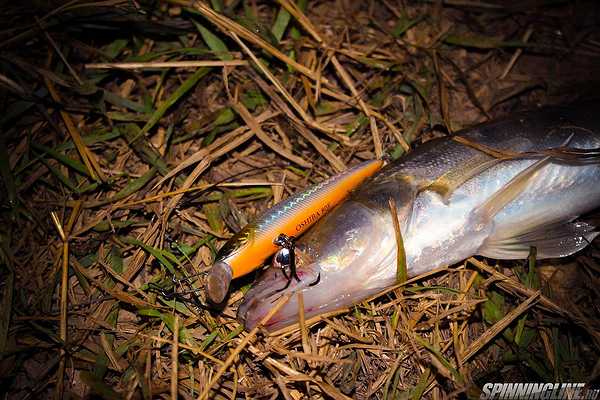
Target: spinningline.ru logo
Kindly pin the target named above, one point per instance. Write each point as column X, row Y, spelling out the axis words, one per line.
column 543, row 391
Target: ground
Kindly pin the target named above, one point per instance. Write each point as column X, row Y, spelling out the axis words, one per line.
column 115, row 179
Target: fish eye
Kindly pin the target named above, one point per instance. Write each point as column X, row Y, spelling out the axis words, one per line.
column 282, row 258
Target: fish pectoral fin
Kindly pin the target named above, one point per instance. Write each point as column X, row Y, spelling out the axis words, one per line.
column 492, row 206
column 555, row 240
column 447, row 183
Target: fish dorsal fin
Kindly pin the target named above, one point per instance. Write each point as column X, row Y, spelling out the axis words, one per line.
column 555, row 240
column 485, row 149
column 563, row 153
column 485, row 158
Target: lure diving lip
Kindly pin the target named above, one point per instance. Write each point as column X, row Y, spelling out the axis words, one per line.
column 248, row 249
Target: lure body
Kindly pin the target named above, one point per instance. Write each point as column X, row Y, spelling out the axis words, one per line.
column 248, row 249
column 453, row 201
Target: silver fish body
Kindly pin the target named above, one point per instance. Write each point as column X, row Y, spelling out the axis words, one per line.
column 453, row 201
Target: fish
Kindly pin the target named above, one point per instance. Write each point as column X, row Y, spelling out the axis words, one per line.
column 247, row 250
column 494, row 190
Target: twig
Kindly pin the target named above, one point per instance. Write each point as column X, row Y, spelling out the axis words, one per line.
column 174, row 358
column 222, row 145
column 334, row 160
column 376, row 138
column 243, row 344
column 302, row 324
column 60, row 54
column 86, row 155
column 342, row 73
column 64, row 281
column 513, row 286
column 231, row 27
column 167, row 64
column 518, row 53
column 262, row 135
column 499, row 327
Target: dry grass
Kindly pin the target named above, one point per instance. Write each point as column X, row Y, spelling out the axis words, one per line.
column 136, row 138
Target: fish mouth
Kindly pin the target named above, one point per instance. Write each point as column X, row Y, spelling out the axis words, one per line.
column 343, row 259
column 268, row 291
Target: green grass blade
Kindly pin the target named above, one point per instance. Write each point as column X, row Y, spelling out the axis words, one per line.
column 121, row 102
column 69, row 162
column 99, row 387
column 481, row 42
column 211, row 210
column 189, row 83
column 440, row 357
column 60, row 176
column 113, row 49
column 281, row 24
column 157, row 253
column 217, row 5
column 146, row 151
column 214, row 43
column 403, row 24
column 131, row 188
column 90, row 140
column 418, row 390
column 209, row 339
column 294, row 31
column 127, row 117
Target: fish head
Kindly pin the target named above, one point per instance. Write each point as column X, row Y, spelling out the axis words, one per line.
column 341, row 260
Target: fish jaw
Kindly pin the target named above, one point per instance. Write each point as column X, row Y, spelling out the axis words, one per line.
column 348, row 256
column 268, row 291
column 332, row 292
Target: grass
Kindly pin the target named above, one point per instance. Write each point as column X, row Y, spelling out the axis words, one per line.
column 138, row 137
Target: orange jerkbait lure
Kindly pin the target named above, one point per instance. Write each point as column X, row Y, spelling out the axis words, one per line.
column 249, row 248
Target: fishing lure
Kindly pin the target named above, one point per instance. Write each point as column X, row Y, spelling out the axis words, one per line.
column 248, row 249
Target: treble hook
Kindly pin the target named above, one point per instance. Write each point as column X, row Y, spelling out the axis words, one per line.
column 184, row 296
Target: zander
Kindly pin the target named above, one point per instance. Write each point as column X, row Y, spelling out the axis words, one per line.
column 494, row 190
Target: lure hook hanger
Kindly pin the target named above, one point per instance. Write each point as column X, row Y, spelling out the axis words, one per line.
column 289, row 243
